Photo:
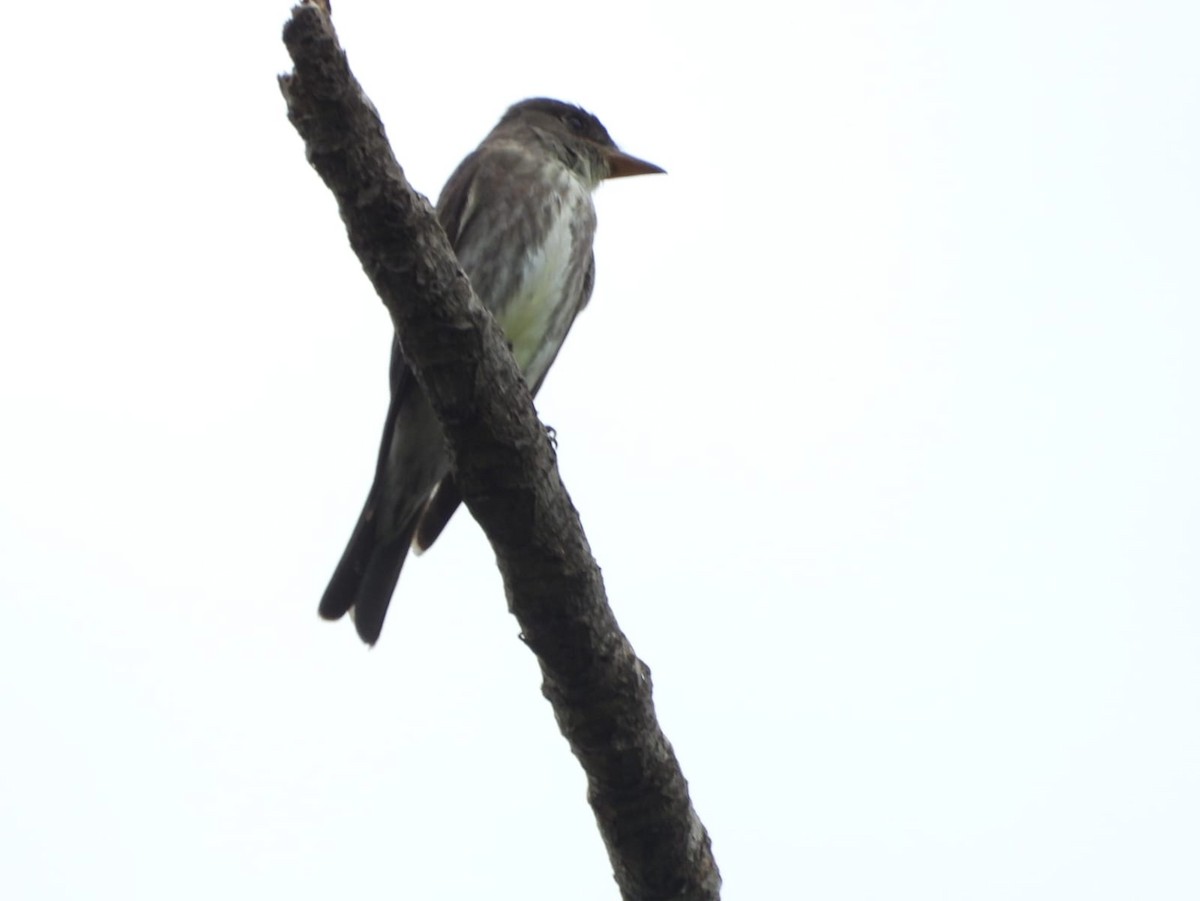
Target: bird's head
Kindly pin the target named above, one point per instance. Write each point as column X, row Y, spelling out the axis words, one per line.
column 578, row 137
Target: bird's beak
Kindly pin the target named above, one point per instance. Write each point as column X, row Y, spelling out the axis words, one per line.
column 622, row 164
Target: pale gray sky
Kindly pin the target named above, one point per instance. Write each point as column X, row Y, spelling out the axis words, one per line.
column 882, row 423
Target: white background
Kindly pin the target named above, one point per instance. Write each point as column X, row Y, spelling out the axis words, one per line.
column 882, row 423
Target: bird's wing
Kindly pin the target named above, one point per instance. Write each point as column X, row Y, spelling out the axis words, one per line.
column 437, row 513
column 455, row 199
column 403, row 383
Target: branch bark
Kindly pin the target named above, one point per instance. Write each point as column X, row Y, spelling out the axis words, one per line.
column 505, row 467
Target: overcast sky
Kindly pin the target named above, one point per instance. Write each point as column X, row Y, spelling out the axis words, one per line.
column 882, row 423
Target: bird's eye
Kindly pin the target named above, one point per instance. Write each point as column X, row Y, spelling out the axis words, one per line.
column 574, row 123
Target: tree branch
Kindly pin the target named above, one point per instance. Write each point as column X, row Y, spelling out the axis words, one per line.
column 505, row 468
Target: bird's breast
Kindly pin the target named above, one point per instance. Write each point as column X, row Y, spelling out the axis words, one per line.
column 550, row 287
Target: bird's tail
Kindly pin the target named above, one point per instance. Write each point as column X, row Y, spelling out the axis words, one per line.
column 366, row 576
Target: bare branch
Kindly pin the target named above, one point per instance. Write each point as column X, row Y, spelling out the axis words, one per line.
column 505, row 468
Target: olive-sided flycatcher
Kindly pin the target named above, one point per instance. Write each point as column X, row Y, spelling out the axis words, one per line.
column 518, row 212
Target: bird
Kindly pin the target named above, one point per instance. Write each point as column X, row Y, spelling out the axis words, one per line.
column 519, row 214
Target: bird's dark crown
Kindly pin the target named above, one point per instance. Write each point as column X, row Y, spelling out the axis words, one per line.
column 554, row 113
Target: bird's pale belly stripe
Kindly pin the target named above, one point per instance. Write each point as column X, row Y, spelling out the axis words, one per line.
column 536, row 318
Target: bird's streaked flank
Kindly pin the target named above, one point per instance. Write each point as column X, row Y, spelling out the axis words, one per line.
column 519, row 214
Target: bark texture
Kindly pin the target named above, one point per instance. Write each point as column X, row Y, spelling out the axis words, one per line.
column 506, row 470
